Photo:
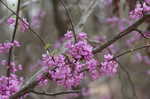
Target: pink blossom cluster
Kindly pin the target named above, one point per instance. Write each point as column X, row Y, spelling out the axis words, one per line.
column 9, row 85
column 4, row 47
column 11, row 21
column 14, row 67
column 42, row 80
column 69, row 68
column 139, row 11
column 81, row 49
column 94, row 68
column 23, row 24
column 67, row 72
column 109, row 66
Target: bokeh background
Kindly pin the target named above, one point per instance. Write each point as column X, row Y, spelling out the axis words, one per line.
column 107, row 18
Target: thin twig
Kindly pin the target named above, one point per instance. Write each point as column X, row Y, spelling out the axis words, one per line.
column 36, row 34
column 89, row 9
column 127, row 73
column 125, row 32
column 27, row 3
column 13, row 38
column 122, row 81
column 141, row 33
column 70, row 19
column 121, row 34
column 5, row 18
column 131, row 50
column 130, row 80
column 33, row 83
column 55, row 94
column 26, row 89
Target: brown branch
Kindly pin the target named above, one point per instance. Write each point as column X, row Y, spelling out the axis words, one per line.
column 13, row 38
column 70, row 19
column 126, row 71
column 55, row 94
column 27, row 3
column 85, row 15
column 131, row 50
column 141, row 33
column 32, row 84
column 129, row 79
column 36, row 34
column 122, row 34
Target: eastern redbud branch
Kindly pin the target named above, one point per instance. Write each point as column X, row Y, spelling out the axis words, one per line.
column 37, row 35
column 70, row 19
column 128, row 30
column 140, row 32
column 55, row 94
column 25, row 4
column 131, row 50
column 121, row 34
column 87, row 12
column 13, row 37
column 128, row 75
column 129, row 79
column 5, row 18
column 125, row 32
column 26, row 89
column 33, row 83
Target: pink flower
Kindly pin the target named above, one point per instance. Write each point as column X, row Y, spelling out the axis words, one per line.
column 14, row 67
column 15, row 83
column 147, row 34
column 139, row 11
column 66, row 73
column 82, row 36
column 108, row 66
column 24, row 25
column 93, row 66
column 68, row 35
column 47, row 60
column 11, row 21
column 69, row 68
column 4, row 47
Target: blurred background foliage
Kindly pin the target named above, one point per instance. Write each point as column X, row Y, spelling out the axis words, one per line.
column 54, row 22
